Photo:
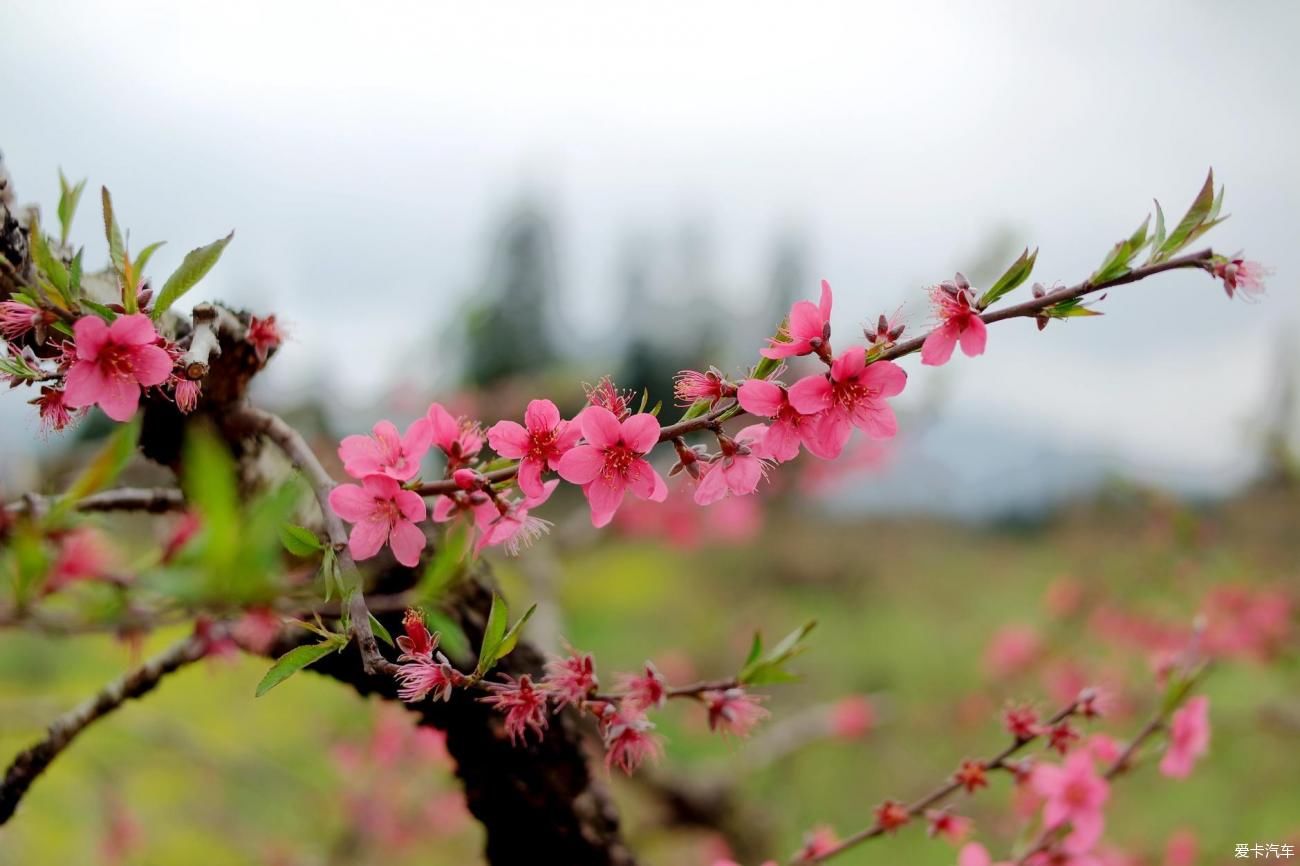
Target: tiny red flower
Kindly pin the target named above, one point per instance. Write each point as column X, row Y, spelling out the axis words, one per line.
column 943, row 824
column 1239, row 274
column 264, row 335
column 417, row 642
column 972, row 775
column 733, row 711
column 1021, row 722
column 605, row 395
column 523, row 703
column 691, row 386
column 646, row 691
column 53, row 409
column 891, row 815
column 1062, row 736
column 629, row 739
column 571, row 679
column 959, row 322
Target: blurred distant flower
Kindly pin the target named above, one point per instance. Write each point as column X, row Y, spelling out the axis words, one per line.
column 459, row 438
column 1103, row 748
column 789, row 426
column 959, row 321
column 538, row 444
column 646, row 691
column 972, row 775
column 975, row 854
column 381, row 512
column 806, row 331
column 891, row 815
column 570, row 680
column 629, row 739
column 944, row 824
column 852, row 394
column 256, row 630
column 185, row 529
column 691, row 385
column 817, row 841
column 738, row 469
column 1063, row 597
column 1189, row 738
column 611, row 462
column 733, row 711
column 852, row 717
column 1181, row 849
column 1074, row 794
column 1021, row 722
column 1013, row 649
column 84, row 554
column 1062, row 736
column 264, row 335
column 523, row 704
column 384, row 452
column 1241, row 275
column 114, row 362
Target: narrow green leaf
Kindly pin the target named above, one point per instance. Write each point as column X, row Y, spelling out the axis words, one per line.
column 299, row 540
column 106, row 465
column 695, row 410
column 99, row 309
column 142, row 259
column 69, row 198
column 74, row 278
column 293, row 661
column 451, row 637
column 770, row 666
column 493, row 632
column 194, row 267
column 1187, row 227
column 755, row 650
column 1019, row 271
column 447, row 562
column 113, row 232
column 46, row 261
column 1158, row 239
column 511, row 639
column 380, row 631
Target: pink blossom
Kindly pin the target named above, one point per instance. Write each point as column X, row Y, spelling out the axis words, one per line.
column 851, row 395
column 53, row 409
column 1241, row 275
column 84, row 554
column 816, row 842
column 605, row 395
column 523, row 703
column 738, row 469
column 459, row 438
column 644, row 692
column 17, row 319
column 629, row 739
column 1181, row 848
column 789, row 426
column 504, row 521
column 538, row 444
column 417, row 643
column 256, row 630
column 612, row 461
column 421, row 676
column 691, row 386
column 807, row 330
column 1021, row 722
column 975, row 854
column 959, row 321
column 1074, row 794
column 1013, row 649
column 186, row 394
column 264, row 335
column 381, row 512
column 852, row 717
column 946, row 825
column 1189, row 738
column 733, row 711
column 114, row 362
column 570, row 680
column 384, row 452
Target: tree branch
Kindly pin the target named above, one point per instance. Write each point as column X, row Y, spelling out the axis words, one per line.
column 154, row 500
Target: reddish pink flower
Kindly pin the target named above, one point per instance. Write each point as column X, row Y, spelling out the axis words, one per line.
column 524, row 706
column 972, row 775
column 504, row 521
column 959, row 321
column 1103, row 748
column 186, row 394
column 605, row 395
column 17, row 319
column 1013, row 649
column 1241, row 275
column 53, row 409
column 789, row 426
column 943, row 824
column 256, row 630
column 629, row 739
column 381, row 512
column 384, row 452
column 738, row 469
column 459, row 438
column 422, row 676
column 113, row 363
column 538, row 444
column 851, row 395
column 852, row 717
column 1074, row 794
column 644, row 692
column 570, row 680
column 975, row 854
column 733, row 711
column 84, row 554
column 816, row 842
column 264, row 335
column 891, row 815
column 1062, row 736
column 612, row 461
column 1181, row 848
column 1189, row 738
column 417, row 643
column 807, row 330
column 692, row 386
column 1021, row 722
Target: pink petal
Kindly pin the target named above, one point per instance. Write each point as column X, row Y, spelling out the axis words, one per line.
column 743, row 475
column 824, row 306
column 877, row 419
column 151, row 365
column 119, row 399
column 407, row 541
column 886, row 378
column 974, row 337
column 411, row 504
column 806, row 322
column 829, row 434
column 849, row 365
column 530, row 478
column 712, row 487
column 541, row 416
column 509, row 439
column 581, row 465
column 351, row 502
column 974, row 854
column 777, row 351
column 641, row 432
column 90, row 335
column 604, row 495
column 567, row 435
column 600, row 427
column 811, row 394
column 547, row 489
column 644, row 481
column 1085, row 831
column 418, row 438
column 390, row 441
column 760, row 397
column 381, row 486
column 753, row 435
column 367, row 537
column 443, row 509
column 781, row 442
column 84, row 383
column 360, row 455
column 938, row 345
column 442, row 426
column 133, row 330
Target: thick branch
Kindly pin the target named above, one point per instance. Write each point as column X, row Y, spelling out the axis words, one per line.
column 211, row 323
column 31, row 762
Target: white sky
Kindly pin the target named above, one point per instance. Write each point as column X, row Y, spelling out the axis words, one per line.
column 362, row 152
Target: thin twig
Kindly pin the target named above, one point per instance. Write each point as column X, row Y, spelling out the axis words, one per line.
column 154, row 500
column 31, row 762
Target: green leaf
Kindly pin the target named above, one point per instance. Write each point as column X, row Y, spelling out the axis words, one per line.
column 511, row 640
column 117, row 249
column 1120, row 259
column 493, row 632
column 194, row 267
column 106, row 465
column 295, row 660
column 1158, row 239
column 762, row 669
column 299, row 540
column 755, row 650
column 452, row 637
column 143, row 258
column 46, row 261
column 74, row 277
column 380, row 631
column 1019, row 271
column 447, row 562
column 1200, row 218
column 696, row 409
column 99, row 309
column 69, row 198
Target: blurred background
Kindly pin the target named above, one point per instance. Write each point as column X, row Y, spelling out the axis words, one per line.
column 487, row 204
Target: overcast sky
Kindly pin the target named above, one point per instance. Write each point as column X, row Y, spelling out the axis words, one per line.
column 363, row 151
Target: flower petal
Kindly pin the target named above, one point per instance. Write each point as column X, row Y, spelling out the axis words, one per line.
column 974, row 336
column 886, row 378
column 641, row 432
column 150, row 365
column 367, row 537
column 581, row 464
column 509, row 439
column 351, row 503
column 133, row 330
column 712, row 486
column 541, row 416
column 760, row 397
column 604, row 495
column 90, row 335
column 811, row 394
column 600, row 427
column 407, row 541
column 938, row 345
